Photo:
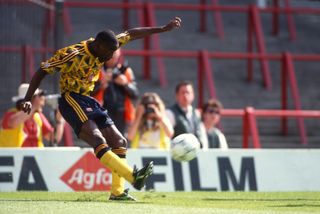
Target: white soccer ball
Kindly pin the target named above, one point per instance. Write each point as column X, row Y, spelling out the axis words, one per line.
column 184, row 147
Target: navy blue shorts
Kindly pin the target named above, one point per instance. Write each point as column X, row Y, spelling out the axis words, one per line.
column 77, row 109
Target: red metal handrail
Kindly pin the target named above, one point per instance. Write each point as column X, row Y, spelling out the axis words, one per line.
column 255, row 27
column 206, row 70
column 151, row 21
column 288, row 73
column 275, row 20
column 250, row 115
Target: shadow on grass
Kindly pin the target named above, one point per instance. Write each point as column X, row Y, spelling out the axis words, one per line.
column 73, row 200
column 297, row 205
column 258, row 199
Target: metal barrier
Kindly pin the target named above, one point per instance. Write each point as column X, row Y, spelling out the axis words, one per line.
column 249, row 117
column 205, row 69
column 147, row 14
column 205, row 74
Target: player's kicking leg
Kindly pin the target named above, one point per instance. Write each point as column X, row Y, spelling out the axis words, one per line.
column 119, row 146
column 87, row 123
column 115, row 160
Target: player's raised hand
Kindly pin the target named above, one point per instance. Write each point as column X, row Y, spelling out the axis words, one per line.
column 26, row 107
column 174, row 23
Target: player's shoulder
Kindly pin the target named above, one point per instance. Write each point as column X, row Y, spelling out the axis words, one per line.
column 72, row 49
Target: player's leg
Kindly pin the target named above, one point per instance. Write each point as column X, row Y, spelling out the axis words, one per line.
column 115, row 139
column 86, row 117
column 134, row 176
column 119, row 146
column 80, row 111
column 91, row 134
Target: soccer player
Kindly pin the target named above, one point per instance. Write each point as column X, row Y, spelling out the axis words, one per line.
column 79, row 67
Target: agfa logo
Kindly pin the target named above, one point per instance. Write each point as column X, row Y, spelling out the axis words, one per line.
column 88, row 174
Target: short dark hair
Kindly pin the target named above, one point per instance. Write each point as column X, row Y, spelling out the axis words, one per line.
column 107, row 37
column 183, row 83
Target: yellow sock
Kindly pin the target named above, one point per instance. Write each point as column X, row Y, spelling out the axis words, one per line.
column 117, row 186
column 113, row 162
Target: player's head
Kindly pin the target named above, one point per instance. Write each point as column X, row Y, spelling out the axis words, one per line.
column 184, row 93
column 105, row 44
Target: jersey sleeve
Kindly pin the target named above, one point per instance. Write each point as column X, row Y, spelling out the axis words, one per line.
column 123, row 38
column 58, row 59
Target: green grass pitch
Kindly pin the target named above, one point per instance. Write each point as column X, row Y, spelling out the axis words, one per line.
column 161, row 202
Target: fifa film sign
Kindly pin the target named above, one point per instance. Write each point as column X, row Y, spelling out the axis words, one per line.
column 74, row 169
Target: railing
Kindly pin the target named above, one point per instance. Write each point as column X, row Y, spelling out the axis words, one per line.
column 205, row 75
column 249, row 117
column 205, row 71
column 146, row 11
column 254, row 25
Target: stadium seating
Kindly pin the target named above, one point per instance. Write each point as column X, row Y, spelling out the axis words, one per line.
column 220, row 65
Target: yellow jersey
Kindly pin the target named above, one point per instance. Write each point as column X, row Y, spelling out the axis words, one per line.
column 78, row 68
column 152, row 139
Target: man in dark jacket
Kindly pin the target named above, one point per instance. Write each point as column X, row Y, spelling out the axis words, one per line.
column 121, row 92
column 184, row 117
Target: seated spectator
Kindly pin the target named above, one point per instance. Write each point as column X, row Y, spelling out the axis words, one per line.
column 210, row 118
column 184, row 117
column 19, row 129
column 151, row 128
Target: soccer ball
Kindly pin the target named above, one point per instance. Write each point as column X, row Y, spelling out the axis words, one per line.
column 184, row 147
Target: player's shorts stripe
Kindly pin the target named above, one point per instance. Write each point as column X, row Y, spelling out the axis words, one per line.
column 75, row 109
column 78, row 106
column 83, row 117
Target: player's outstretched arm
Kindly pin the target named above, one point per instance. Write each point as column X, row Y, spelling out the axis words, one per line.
column 140, row 32
column 34, row 84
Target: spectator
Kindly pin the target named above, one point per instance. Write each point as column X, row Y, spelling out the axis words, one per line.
column 120, row 93
column 185, row 118
column 151, row 128
column 28, row 130
column 210, row 118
